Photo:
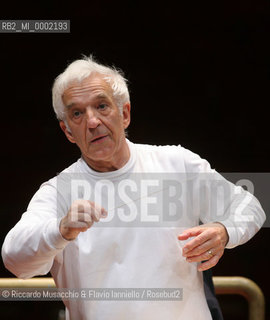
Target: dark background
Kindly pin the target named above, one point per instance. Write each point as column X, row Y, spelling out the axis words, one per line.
column 198, row 76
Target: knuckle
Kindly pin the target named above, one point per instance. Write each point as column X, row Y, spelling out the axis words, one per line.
column 87, row 217
column 73, row 216
column 219, row 239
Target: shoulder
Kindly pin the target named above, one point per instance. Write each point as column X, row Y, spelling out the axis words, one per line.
column 51, row 184
column 172, row 157
column 52, row 193
column 158, row 150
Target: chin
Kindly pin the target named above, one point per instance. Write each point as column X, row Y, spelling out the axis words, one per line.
column 100, row 155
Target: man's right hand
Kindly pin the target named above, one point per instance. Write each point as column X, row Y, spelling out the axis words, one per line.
column 80, row 217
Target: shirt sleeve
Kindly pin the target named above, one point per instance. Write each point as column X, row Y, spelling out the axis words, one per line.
column 219, row 200
column 30, row 247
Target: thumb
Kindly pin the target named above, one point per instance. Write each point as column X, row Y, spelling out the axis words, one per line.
column 104, row 213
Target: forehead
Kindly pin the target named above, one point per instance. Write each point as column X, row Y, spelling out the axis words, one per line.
column 91, row 87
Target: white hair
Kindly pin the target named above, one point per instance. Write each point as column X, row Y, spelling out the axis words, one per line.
column 79, row 70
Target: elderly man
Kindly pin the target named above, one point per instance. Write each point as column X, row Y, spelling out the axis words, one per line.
column 135, row 240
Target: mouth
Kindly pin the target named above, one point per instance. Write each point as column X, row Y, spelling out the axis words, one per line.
column 99, row 139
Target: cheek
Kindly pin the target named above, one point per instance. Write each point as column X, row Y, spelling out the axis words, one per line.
column 78, row 135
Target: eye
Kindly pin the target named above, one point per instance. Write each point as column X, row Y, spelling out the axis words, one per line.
column 76, row 114
column 102, row 106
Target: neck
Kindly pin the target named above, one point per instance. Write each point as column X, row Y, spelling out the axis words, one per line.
column 117, row 161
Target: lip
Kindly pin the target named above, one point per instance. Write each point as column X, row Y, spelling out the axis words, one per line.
column 99, row 139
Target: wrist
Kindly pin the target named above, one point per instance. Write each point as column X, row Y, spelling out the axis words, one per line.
column 66, row 233
column 225, row 234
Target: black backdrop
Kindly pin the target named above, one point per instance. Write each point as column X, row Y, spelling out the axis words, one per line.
column 198, row 76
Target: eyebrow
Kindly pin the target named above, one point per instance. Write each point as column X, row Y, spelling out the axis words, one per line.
column 69, row 106
column 102, row 96
column 97, row 97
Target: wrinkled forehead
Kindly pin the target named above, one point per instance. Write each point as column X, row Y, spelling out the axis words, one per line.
column 91, row 87
column 90, row 84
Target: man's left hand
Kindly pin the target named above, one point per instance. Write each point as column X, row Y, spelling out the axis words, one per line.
column 208, row 244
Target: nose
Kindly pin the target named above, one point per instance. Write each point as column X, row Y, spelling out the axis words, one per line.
column 92, row 119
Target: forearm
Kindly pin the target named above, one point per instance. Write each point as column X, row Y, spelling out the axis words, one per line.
column 238, row 210
column 246, row 219
column 30, row 247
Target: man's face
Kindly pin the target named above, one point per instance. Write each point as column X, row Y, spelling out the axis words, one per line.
column 95, row 122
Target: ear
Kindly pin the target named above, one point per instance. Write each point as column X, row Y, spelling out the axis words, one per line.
column 126, row 115
column 66, row 131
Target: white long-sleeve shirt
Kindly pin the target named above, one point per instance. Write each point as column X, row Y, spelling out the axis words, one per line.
column 161, row 191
